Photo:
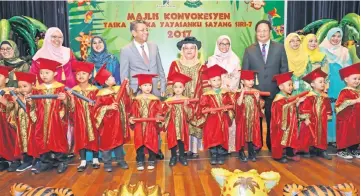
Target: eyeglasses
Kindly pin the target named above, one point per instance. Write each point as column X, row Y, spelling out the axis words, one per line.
column 224, row 45
column 56, row 37
column 143, row 30
column 5, row 49
column 263, row 31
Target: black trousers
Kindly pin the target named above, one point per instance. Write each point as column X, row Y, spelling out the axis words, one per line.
column 83, row 151
column 141, row 156
column 180, row 147
column 27, row 158
column 53, row 157
column 267, row 106
column 217, row 150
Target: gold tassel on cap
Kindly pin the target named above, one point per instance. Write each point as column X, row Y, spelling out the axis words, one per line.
column 94, row 72
column 257, row 83
column 63, row 73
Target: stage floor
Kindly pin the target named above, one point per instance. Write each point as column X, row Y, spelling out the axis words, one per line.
column 195, row 179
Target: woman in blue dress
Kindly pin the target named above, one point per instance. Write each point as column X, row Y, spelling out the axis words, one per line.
column 99, row 55
column 338, row 57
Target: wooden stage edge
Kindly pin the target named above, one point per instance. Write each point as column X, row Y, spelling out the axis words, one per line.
column 195, row 179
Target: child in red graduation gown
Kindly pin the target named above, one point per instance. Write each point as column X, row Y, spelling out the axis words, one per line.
column 111, row 119
column 248, row 113
column 145, row 105
column 82, row 115
column 216, row 126
column 25, row 147
column 348, row 114
column 284, row 122
column 7, row 132
column 52, row 122
column 177, row 117
column 314, row 113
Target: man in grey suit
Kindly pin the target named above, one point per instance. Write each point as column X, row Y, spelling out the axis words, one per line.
column 142, row 57
column 268, row 58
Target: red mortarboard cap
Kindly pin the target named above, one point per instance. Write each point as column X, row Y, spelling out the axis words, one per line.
column 214, row 71
column 27, row 77
column 347, row 71
column 178, row 77
column 4, row 70
column 247, row 74
column 48, row 64
column 82, row 66
column 317, row 73
column 145, row 78
column 282, row 78
column 102, row 75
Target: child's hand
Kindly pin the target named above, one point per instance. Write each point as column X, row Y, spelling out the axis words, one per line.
column 61, row 96
column 114, row 106
column 3, row 100
column 240, row 99
column 91, row 103
column 185, row 104
column 307, row 122
column 300, row 100
column 158, row 118
column 131, row 120
column 27, row 98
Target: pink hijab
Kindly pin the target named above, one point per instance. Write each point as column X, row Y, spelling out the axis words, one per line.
column 48, row 51
column 229, row 60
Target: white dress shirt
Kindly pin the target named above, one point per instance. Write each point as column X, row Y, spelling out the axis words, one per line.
column 137, row 45
column 267, row 47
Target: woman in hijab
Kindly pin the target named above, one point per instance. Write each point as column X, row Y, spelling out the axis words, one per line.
column 227, row 59
column 189, row 65
column 10, row 53
column 52, row 49
column 316, row 58
column 297, row 62
column 338, row 57
column 99, row 55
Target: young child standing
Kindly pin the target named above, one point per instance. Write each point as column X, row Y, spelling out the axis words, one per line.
column 52, row 121
column 7, row 132
column 111, row 119
column 348, row 114
column 25, row 124
column 177, row 117
column 284, row 122
column 146, row 105
column 216, row 126
column 82, row 115
column 314, row 113
column 248, row 113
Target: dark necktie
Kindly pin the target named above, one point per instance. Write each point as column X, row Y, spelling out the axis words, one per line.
column 264, row 52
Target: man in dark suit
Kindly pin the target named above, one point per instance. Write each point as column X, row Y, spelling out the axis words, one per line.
column 268, row 58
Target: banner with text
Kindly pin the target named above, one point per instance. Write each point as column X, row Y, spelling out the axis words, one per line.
column 170, row 21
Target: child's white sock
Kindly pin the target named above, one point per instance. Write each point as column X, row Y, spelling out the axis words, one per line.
column 95, row 161
column 82, row 163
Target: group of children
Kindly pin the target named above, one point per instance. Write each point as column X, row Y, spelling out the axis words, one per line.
column 37, row 134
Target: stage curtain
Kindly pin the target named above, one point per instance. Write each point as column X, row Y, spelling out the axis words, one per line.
column 301, row 13
column 51, row 13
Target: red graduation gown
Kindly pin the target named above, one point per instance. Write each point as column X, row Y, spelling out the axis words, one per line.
column 216, row 127
column 316, row 108
column 82, row 116
column 247, row 120
column 146, row 133
column 347, row 118
column 7, row 132
column 112, row 124
column 52, row 122
column 284, row 127
column 25, row 130
column 176, row 122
